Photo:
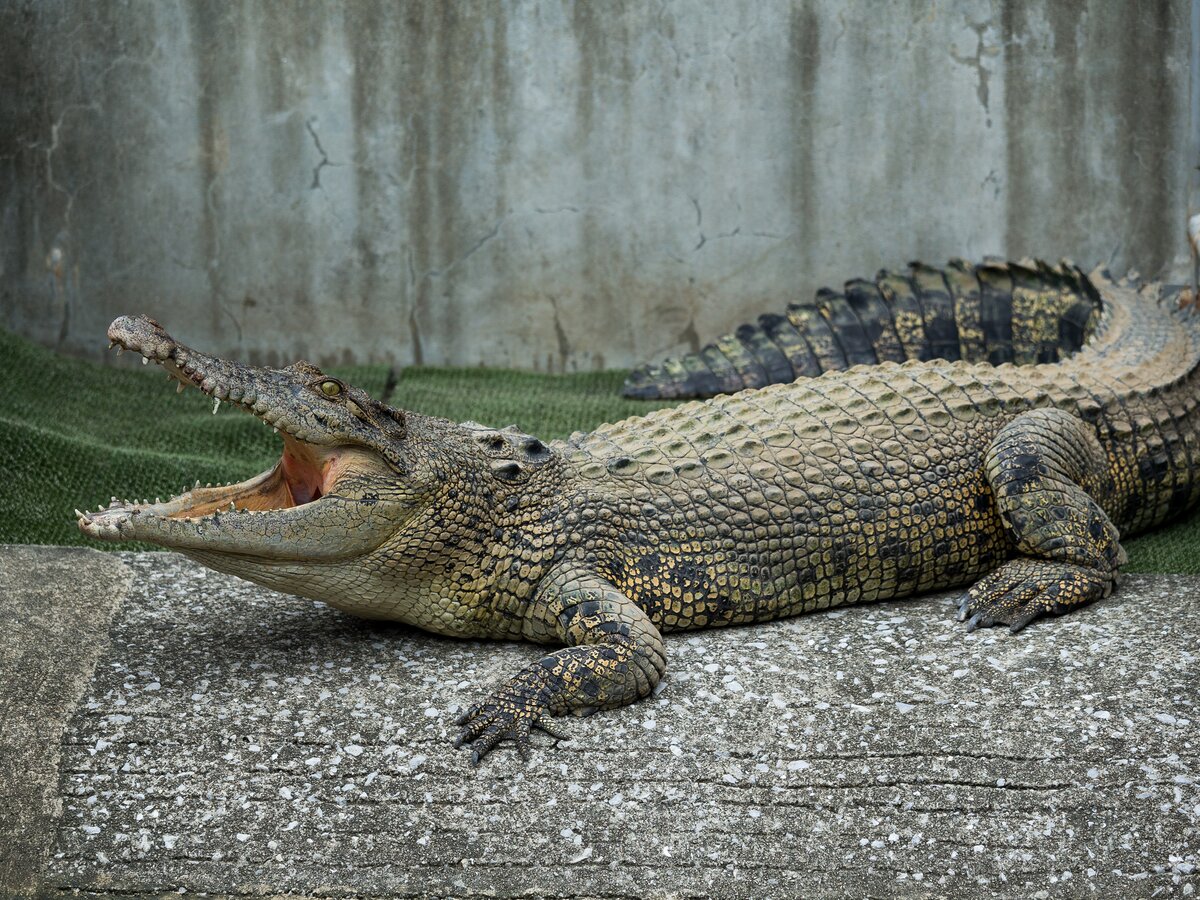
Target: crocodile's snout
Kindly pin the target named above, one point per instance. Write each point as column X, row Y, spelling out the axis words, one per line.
column 334, row 457
column 143, row 334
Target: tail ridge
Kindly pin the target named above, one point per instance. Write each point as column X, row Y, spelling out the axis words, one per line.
column 1022, row 312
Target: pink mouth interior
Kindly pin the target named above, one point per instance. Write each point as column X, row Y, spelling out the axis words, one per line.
column 303, row 475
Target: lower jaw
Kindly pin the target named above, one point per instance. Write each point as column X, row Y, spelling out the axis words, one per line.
column 330, row 530
column 247, row 504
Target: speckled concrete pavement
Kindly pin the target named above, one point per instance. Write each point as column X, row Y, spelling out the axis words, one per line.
column 219, row 738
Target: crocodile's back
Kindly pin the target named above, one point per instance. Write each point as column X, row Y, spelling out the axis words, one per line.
column 996, row 312
column 870, row 483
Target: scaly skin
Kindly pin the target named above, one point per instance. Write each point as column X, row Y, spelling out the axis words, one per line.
column 872, row 483
column 1026, row 312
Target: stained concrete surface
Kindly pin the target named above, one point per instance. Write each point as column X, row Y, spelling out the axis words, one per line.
column 242, row 743
column 559, row 185
column 55, row 608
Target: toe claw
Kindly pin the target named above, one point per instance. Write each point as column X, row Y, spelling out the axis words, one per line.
column 1019, row 623
column 979, row 620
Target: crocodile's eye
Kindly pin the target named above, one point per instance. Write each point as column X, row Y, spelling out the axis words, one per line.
column 330, row 388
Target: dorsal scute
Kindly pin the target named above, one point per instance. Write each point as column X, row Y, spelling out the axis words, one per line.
column 513, row 454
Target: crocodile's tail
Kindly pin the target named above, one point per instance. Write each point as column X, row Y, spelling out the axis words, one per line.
column 1019, row 312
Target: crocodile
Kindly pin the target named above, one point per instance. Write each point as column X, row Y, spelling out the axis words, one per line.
column 1015, row 482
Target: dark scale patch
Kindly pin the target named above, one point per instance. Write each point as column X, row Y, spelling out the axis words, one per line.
column 876, row 319
column 1154, row 469
column 1181, row 499
column 534, row 448
column 847, row 330
column 1075, row 325
column 868, row 513
column 621, row 465
column 750, row 372
column 841, row 555
column 781, row 332
column 508, row 470
column 776, row 367
column 907, row 316
column 724, row 374
column 938, row 311
column 966, row 301
column 995, row 293
column 815, row 327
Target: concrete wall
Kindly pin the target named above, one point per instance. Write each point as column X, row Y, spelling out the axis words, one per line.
column 558, row 185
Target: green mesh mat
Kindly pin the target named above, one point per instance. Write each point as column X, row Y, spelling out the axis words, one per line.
column 75, row 433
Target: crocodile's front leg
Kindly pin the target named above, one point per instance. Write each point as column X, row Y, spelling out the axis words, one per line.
column 614, row 656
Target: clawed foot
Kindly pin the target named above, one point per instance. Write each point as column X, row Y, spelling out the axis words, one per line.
column 1023, row 589
column 503, row 715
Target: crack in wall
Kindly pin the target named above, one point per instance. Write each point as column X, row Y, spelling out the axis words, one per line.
column 982, row 50
column 316, row 182
column 438, row 273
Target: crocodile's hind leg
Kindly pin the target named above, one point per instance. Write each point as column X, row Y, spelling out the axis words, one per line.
column 1045, row 468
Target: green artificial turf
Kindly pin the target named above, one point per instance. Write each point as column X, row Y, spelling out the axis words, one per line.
column 75, row 433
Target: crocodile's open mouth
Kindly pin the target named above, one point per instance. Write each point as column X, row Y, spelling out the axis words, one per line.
column 306, row 472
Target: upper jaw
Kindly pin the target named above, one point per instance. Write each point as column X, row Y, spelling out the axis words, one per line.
column 224, row 380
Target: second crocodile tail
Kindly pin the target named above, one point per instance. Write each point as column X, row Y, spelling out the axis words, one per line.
column 1019, row 312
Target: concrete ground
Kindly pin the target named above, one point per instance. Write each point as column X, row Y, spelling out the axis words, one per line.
column 167, row 729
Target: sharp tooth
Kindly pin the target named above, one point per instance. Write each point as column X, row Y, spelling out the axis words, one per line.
column 179, row 388
column 120, row 349
column 78, row 514
column 145, row 360
column 111, row 344
column 197, row 487
column 232, row 508
column 276, row 430
column 158, row 499
column 216, row 404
